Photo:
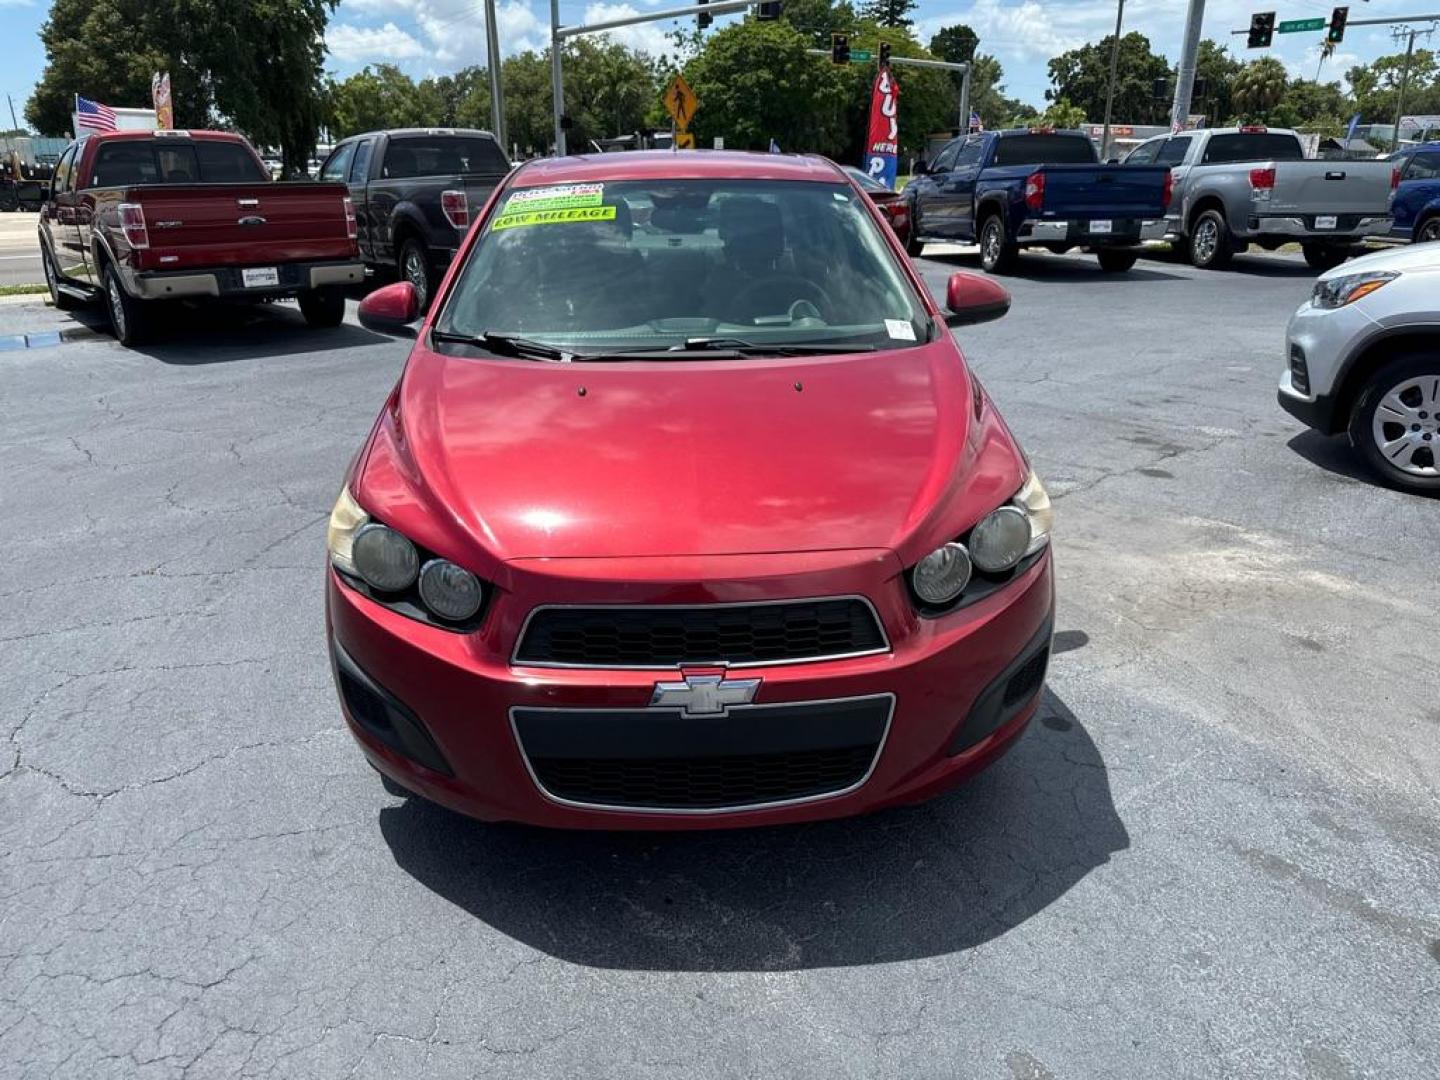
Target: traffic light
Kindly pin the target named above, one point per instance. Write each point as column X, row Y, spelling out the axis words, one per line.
column 704, row 19
column 1160, row 89
column 1262, row 30
column 884, row 54
column 768, row 12
column 1338, row 18
column 840, row 48
column 1200, row 89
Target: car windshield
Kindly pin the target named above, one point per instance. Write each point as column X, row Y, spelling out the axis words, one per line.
column 596, row 268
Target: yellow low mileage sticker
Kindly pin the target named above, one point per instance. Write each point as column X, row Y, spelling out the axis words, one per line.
column 552, row 217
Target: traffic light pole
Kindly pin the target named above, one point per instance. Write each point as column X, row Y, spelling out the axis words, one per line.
column 1404, row 86
column 940, row 65
column 1114, row 72
column 1189, row 54
column 559, row 34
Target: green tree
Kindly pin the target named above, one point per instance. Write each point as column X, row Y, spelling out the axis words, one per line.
column 1259, row 87
column 1307, row 104
column 954, row 43
column 1376, row 86
column 1082, row 77
column 1062, row 114
column 1215, row 65
column 889, row 13
column 818, row 19
column 377, row 97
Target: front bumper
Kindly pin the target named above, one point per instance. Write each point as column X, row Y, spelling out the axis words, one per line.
column 1317, row 342
column 228, row 281
column 946, row 699
column 1348, row 227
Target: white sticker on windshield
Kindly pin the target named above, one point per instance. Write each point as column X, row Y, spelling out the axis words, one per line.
column 900, row 330
column 562, row 197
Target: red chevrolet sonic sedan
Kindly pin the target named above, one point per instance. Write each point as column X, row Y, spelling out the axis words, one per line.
column 686, row 512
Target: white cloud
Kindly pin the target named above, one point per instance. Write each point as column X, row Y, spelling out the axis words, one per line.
column 646, row 37
column 361, row 45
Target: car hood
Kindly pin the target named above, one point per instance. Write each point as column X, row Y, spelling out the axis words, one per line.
column 1412, row 257
column 518, row 459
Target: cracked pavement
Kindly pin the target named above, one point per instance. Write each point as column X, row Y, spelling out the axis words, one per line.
column 1215, row 853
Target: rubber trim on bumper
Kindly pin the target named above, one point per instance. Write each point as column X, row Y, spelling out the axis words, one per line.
column 991, row 711
column 382, row 716
column 1318, row 414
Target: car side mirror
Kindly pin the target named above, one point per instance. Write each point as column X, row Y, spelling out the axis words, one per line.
column 390, row 309
column 974, row 298
column 1112, row 161
column 922, row 168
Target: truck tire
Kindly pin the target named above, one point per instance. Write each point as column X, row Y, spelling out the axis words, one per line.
column 129, row 318
column 1429, row 231
column 997, row 254
column 1401, row 443
column 324, row 306
column 1324, row 256
column 1211, row 247
column 63, row 301
column 414, row 266
column 1116, row 260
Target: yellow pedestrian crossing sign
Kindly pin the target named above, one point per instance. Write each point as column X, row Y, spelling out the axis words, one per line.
column 680, row 101
column 685, row 140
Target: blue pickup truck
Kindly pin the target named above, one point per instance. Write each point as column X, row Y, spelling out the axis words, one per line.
column 1417, row 199
column 1032, row 187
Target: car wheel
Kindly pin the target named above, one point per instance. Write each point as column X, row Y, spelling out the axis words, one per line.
column 1210, row 244
column 1429, row 232
column 324, row 306
column 414, row 266
column 997, row 255
column 62, row 301
column 129, row 320
column 913, row 247
column 1395, row 424
column 1116, row 262
column 1323, row 256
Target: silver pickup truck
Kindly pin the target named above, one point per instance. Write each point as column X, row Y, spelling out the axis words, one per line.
column 1252, row 185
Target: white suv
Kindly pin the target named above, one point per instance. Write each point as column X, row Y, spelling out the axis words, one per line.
column 1365, row 358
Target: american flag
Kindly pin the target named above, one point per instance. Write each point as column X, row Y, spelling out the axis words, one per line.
column 975, row 122
column 93, row 116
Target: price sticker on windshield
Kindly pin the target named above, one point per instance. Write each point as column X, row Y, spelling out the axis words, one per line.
column 510, row 220
column 561, row 197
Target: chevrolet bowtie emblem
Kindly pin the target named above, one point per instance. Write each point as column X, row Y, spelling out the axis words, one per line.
column 704, row 695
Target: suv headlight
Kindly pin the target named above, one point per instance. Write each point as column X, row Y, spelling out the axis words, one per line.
column 1338, row 291
column 999, row 542
column 392, row 570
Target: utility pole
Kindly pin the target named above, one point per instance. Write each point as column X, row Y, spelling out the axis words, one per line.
column 1189, row 54
column 557, row 79
column 492, row 49
column 1404, row 85
column 1114, row 72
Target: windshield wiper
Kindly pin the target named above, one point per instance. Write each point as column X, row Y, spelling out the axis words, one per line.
column 779, row 348
column 510, row 345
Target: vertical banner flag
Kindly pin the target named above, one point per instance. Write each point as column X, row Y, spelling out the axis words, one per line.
column 160, row 96
column 1350, row 131
column 883, row 143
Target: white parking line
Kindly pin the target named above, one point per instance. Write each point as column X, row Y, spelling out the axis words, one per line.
column 16, row 258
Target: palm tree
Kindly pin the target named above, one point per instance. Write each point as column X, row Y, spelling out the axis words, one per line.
column 1259, row 87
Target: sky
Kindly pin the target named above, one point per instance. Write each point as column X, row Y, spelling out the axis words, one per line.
column 431, row 37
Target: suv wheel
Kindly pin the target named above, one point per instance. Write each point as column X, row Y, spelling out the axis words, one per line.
column 1116, row 261
column 1210, row 244
column 1429, row 232
column 324, row 306
column 1396, row 422
column 997, row 254
column 128, row 317
column 414, row 266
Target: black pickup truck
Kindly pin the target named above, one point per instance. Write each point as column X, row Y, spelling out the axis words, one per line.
column 416, row 191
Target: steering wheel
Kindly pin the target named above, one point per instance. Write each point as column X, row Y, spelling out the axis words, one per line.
column 799, row 289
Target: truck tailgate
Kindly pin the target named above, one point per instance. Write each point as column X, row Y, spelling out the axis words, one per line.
column 1329, row 187
column 208, row 225
column 1085, row 192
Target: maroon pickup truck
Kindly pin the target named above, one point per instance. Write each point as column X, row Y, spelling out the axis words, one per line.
column 138, row 217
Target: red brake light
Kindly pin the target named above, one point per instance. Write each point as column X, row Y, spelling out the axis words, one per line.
column 1262, row 179
column 132, row 224
column 351, row 230
column 1035, row 191
column 1394, row 177
column 1169, row 192
column 1254, row 129
column 457, row 210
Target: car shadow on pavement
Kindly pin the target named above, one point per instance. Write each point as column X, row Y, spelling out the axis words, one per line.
column 1332, row 453
column 1258, row 262
column 1034, row 266
column 190, row 335
column 921, row 881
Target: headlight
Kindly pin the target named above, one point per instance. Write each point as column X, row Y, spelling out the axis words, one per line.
column 345, row 521
column 942, row 575
column 1035, row 501
column 1000, row 540
column 451, row 591
column 1339, row 291
column 385, row 558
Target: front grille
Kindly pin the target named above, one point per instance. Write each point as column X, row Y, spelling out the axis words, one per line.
column 661, row 759
column 726, row 633
column 1027, row 680
column 703, row 784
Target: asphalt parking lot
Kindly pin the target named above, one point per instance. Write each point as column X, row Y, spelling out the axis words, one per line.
column 1215, row 853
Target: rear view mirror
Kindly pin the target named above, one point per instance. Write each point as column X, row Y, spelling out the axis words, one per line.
column 974, row 298
column 390, row 309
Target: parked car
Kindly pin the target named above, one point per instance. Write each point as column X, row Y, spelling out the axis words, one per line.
column 609, row 558
column 890, row 202
column 22, row 186
column 1417, row 199
column 415, row 192
column 1364, row 358
column 1252, row 185
column 139, row 217
column 1007, row 190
